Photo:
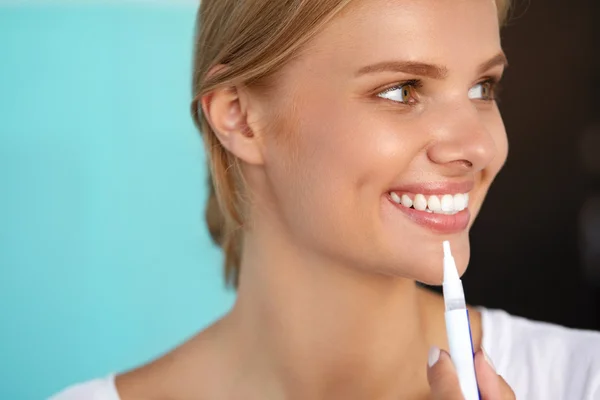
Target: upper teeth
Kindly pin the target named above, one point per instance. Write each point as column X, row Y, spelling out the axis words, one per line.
column 441, row 204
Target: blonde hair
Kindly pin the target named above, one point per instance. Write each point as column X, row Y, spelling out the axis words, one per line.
column 254, row 39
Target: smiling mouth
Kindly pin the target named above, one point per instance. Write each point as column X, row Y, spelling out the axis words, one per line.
column 444, row 204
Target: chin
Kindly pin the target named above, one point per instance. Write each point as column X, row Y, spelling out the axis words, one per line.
column 424, row 263
column 432, row 274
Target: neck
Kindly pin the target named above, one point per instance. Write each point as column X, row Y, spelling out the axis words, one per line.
column 308, row 328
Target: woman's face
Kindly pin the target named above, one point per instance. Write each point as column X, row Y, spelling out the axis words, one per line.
column 384, row 137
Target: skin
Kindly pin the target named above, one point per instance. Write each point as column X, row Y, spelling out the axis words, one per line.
column 327, row 305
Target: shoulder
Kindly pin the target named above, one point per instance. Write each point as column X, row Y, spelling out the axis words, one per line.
column 542, row 360
column 193, row 369
column 97, row 389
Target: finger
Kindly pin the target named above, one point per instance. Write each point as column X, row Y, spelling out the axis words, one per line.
column 491, row 385
column 487, row 378
column 506, row 390
column 442, row 377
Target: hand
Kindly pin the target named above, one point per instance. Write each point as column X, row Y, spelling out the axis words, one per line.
column 444, row 381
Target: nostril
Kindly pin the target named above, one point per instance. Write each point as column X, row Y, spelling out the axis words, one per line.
column 465, row 163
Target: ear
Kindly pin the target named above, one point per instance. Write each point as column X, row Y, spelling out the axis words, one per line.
column 226, row 110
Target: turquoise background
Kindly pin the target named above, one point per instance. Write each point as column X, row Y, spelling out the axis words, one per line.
column 105, row 261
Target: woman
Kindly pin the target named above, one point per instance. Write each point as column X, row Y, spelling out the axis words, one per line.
column 347, row 139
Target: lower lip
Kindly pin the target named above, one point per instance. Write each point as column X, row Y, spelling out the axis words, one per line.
column 439, row 223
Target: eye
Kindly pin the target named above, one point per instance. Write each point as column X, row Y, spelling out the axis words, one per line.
column 483, row 91
column 403, row 93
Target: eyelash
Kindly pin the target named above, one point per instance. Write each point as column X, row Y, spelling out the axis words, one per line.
column 417, row 84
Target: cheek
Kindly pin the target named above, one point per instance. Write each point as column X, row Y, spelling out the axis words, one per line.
column 339, row 159
column 354, row 145
column 498, row 133
column 487, row 176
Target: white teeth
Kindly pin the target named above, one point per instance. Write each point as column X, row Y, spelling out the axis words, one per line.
column 460, row 202
column 447, row 204
column 420, row 202
column 434, row 204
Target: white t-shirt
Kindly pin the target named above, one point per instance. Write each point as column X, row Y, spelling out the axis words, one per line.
column 539, row 361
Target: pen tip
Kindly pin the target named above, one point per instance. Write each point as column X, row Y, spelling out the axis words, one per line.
column 450, row 271
column 447, row 252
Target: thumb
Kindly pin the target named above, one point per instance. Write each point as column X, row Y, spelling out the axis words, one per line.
column 491, row 385
column 487, row 379
column 442, row 377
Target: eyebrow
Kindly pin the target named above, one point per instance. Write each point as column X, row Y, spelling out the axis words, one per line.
column 427, row 70
column 498, row 59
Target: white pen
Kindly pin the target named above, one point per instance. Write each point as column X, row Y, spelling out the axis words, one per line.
column 458, row 327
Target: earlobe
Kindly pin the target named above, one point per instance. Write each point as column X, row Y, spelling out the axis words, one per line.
column 227, row 116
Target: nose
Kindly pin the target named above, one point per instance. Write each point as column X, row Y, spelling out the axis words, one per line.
column 461, row 142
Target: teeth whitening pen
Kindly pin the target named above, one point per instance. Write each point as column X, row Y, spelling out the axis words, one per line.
column 458, row 327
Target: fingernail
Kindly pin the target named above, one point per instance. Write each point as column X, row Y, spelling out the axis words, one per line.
column 488, row 359
column 434, row 356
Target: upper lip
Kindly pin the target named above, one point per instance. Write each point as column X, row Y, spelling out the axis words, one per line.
column 438, row 187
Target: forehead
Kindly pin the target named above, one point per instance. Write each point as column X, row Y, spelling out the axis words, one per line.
column 455, row 33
